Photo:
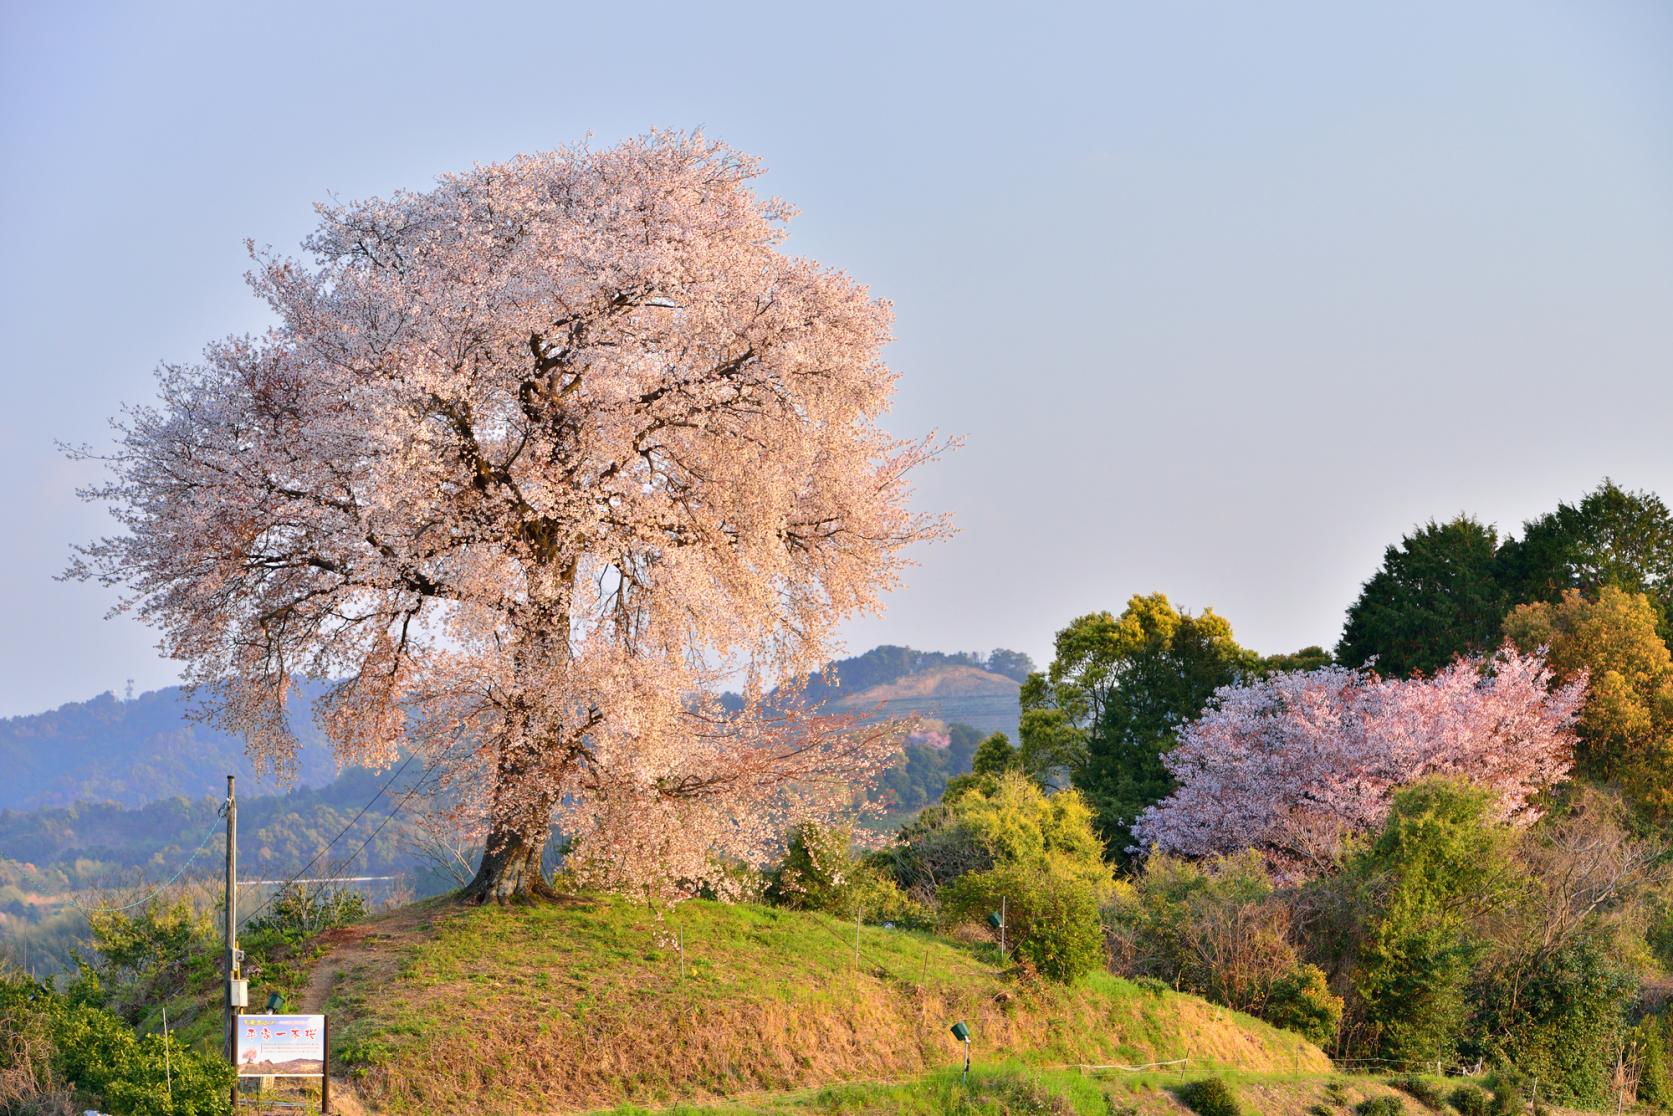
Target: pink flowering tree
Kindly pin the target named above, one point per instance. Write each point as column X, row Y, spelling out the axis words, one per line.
column 528, row 465
column 1291, row 764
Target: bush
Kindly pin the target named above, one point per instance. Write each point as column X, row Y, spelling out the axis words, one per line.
column 1507, row 1099
column 1219, row 928
column 140, row 957
column 296, row 911
column 1469, row 1100
column 1439, row 863
column 1384, row 1105
column 999, row 820
column 1652, row 1044
column 1211, row 1096
column 1052, row 919
column 1301, row 1001
column 119, row 1070
column 820, row 872
column 1567, row 1022
column 1425, row 1092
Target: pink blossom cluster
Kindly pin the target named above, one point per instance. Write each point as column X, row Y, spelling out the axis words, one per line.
column 1291, row 764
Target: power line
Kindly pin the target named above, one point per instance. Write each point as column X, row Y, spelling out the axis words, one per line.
column 412, row 790
column 327, row 846
column 160, row 888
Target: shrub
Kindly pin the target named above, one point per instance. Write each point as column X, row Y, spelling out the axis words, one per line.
column 1469, row 1100
column 1301, row 1001
column 1384, row 1105
column 1652, row 1043
column 1659, row 935
column 1425, row 1092
column 820, row 872
column 1220, row 929
column 1052, row 918
column 1567, row 1022
column 1507, row 1099
column 1439, row 863
column 999, row 820
column 296, row 911
column 121, row 1071
column 1210, row 1096
column 139, row 957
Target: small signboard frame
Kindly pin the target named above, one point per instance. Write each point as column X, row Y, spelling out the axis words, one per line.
column 296, row 1046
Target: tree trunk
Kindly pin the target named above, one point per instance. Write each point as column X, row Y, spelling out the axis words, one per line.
column 510, row 870
column 520, row 824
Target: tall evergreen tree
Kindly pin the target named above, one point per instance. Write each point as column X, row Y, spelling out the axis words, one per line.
column 1436, row 596
column 1612, row 537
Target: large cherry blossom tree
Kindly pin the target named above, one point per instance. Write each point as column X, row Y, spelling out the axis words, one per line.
column 1291, row 764
column 530, row 462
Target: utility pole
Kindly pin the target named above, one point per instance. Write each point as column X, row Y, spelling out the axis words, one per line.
column 168, row 1071
column 232, row 1004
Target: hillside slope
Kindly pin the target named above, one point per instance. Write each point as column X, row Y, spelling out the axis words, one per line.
column 441, row 1009
column 957, row 693
column 138, row 751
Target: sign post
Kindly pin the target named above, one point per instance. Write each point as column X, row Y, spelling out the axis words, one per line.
column 285, row 1046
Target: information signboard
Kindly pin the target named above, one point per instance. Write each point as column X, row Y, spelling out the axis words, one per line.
column 281, row 1046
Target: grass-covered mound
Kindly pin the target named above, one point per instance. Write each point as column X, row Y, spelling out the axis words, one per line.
column 441, row 1008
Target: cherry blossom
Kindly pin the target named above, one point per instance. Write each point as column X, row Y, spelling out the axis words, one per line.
column 530, row 463
column 1292, row 763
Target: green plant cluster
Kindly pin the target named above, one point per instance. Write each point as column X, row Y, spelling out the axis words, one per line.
column 86, row 1051
column 1000, row 845
column 1221, row 928
column 1210, row 1096
column 1381, row 1105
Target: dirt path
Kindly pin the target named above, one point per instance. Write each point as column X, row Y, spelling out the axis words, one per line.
column 365, row 947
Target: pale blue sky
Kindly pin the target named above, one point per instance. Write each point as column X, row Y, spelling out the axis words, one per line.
column 1223, row 296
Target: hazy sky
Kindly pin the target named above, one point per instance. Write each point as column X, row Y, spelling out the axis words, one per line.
column 1224, row 297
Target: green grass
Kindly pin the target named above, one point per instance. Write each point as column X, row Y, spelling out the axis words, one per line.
column 1009, row 1089
column 1016, row 1089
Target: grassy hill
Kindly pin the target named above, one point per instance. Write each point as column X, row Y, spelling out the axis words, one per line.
column 440, row 1008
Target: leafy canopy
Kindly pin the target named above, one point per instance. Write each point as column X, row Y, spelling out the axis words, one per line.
column 1436, row 596
column 1626, row 723
column 1117, row 692
column 1612, row 537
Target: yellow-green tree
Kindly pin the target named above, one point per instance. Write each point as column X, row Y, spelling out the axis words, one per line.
column 1115, row 696
column 1626, row 724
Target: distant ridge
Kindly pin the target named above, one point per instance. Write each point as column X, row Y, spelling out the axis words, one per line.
column 137, row 751
column 962, row 694
column 150, row 748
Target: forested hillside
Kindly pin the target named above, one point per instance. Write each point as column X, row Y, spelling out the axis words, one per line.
column 137, row 751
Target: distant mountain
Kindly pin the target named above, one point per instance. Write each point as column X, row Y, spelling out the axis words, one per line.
column 963, row 694
column 151, row 748
column 889, row 663
column 137, row 751
column 967, row 687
